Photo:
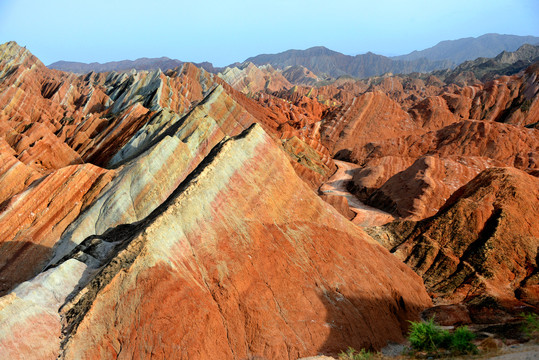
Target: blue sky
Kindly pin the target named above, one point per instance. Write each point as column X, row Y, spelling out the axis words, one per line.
column 224, row 32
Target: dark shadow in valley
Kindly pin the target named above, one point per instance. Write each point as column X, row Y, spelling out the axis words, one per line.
column 344, row 155
column 366, row 323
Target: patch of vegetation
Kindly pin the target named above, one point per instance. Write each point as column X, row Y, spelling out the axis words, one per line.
column 352, row 354
column 427, row 336
column 432, row 339
column 531, row 325
column 461, row 341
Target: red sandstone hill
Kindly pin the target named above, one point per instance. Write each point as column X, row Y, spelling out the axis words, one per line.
column 418, row 142
column 191, row 200
column 169, row 215
column 480, row 248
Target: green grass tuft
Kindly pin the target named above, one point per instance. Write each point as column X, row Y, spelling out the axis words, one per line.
column 431, row 338
column 531, row 325
column 461, row 341
column 352, row 354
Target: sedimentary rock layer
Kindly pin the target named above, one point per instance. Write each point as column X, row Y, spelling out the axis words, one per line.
column 225, row 269
column 480, row 248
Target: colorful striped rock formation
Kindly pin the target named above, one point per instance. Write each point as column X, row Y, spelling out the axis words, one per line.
column 220, row 269
column 167, row 215
column 187, row 215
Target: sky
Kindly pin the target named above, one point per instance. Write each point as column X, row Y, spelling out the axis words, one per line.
column 224, row 32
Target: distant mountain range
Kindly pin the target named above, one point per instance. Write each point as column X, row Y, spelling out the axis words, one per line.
column 326, row 62
column 484, row 69
column 458, row 51
column 163, row 63
column 323, row 61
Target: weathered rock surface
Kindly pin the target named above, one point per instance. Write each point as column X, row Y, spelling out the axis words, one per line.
column 250, row 79
column 225, row 270
column 421, row 189
column 165, row 159
column 480, row 248
column 161, row 222
column 513, row 145
column 32, row 221
column 446, row 160
column 370, row 116
column 375, row 173
column 418, row 140
column 157, row 189
column 300, row 75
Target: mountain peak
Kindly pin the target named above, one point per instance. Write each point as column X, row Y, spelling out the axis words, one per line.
column 13, row 55
column 11, row 49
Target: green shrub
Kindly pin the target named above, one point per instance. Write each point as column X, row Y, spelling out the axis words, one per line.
column 429, row 337
column 352, row 354
column 531, row 325
column 461, row 341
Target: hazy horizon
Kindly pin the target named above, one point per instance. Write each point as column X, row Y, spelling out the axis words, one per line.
column 224, row 33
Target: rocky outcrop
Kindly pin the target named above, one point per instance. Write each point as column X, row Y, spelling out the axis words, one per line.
column 510, row 99
column 59, row 119
column 250, row 79
column 421, row 189
column 480, row 248
column 179, row 195
column 515, row 146
column 193, row 203
column 446, row 159
column 370, row 116
column 375, row 172
column 159, row 162
column 300, row 75
column 222, row 269
column 14, row 172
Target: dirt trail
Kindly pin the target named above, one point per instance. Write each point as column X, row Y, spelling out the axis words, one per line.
column 336, row 185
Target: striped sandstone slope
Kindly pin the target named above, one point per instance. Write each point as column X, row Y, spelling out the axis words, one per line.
column 32, row 221
column 421, row 189
column 153, row 128
column 143, row 183
column 250, row 79
column 221, row 270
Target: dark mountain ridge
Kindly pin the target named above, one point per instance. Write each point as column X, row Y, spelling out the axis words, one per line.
column 163, row 63
column 328, row 63
column 460, row 50
column 486, row 69
column 324, row 61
